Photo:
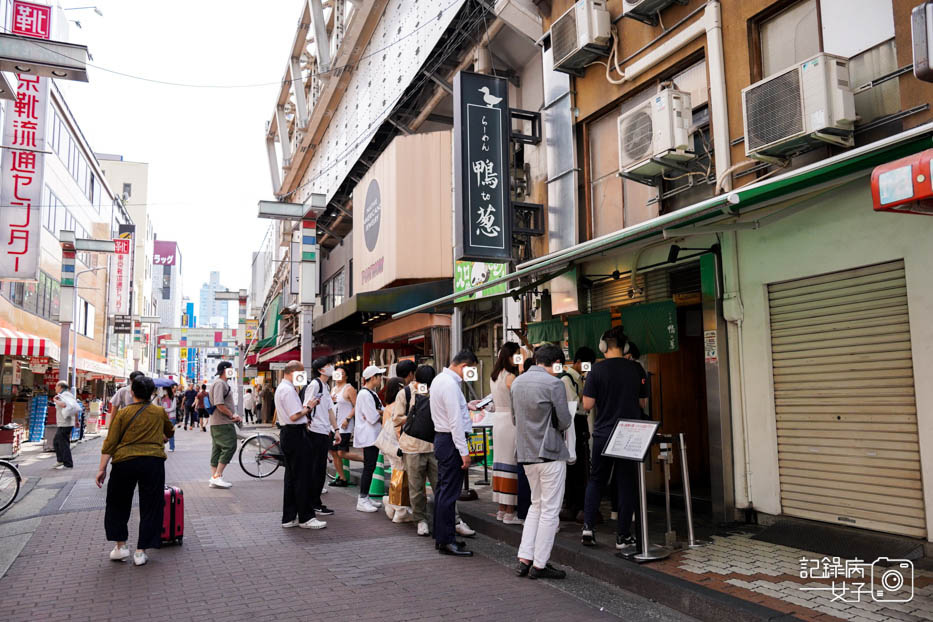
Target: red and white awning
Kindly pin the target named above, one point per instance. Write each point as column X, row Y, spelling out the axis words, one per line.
column 15, row 343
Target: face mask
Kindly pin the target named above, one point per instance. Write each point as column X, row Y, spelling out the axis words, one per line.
column 328, row 371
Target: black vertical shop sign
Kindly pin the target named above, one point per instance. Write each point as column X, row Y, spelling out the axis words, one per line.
column 481, row 165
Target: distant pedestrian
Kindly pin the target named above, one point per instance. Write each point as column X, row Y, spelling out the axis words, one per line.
column 292, row 418
column 617, row 388
column 451, row 417
column 171, row 409
column 505, row 469
column 368, row 425
column 191, row 412
column 539, row 410
column 268, row 403
column 344, row 397
column 66, row 409
column 135, row 443
column 248, row 404
column 124, row 395
column 320, row 423
column 201, row 407
column 223, row 428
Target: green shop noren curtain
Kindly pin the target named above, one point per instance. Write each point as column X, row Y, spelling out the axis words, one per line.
column 652, row 326
column 548, row 330
column 585, row 330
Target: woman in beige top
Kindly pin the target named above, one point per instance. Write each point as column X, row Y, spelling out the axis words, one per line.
column 504, row 462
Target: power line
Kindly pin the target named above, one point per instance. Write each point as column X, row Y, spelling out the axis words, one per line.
column 338, row 68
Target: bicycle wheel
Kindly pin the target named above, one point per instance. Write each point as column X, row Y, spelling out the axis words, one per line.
column 259, row 455
column 9, row 484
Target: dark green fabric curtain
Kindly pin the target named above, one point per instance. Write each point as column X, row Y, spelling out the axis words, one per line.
column 585, row 330
column 652, row 326
column 549, row 330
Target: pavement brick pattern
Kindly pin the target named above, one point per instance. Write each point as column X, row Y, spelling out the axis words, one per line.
column 769, row 574
column 237, row 562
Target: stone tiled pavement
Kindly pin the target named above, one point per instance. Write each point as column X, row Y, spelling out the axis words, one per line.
column 769, row 574
column 238, row 563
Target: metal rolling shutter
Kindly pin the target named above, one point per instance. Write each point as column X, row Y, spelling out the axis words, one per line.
column 848, row 449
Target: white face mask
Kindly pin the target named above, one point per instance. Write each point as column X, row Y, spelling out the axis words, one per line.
column 328, row 371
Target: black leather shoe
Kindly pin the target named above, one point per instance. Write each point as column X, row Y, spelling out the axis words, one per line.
column 548, row 572
column 522, row 569
column 453, row 549
column 459, row 543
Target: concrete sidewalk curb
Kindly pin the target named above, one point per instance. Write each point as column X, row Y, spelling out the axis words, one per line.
column 695, row 600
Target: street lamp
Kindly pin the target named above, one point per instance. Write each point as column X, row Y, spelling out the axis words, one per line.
column 74, row 328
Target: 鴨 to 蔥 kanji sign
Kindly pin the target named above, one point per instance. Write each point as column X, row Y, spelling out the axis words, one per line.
column 481, row 162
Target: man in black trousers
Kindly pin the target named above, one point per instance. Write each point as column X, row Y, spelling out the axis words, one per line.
column 292, row 417
column 451, row 417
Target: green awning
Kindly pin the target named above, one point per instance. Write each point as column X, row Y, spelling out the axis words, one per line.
column 382, row 302
column 549, row 330
column 585, row 330
column 831, row 171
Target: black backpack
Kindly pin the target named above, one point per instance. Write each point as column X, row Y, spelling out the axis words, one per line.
column 419, row 424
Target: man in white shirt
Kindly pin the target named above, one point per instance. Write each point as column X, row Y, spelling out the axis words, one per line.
column 368, row 427
column 124, row 395
column 66, row 409
column 297, row 508
column 451, row 416
column 322, row 421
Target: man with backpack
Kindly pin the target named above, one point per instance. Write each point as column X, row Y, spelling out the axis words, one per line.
column 321, row 421
column 577, row 473
column 412, row 411
column 223, row 428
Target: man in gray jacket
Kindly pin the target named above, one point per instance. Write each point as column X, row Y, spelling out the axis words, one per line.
column 66, row 409
column 540, row 414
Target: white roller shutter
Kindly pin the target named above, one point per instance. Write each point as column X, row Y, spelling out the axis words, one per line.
column 848, row 449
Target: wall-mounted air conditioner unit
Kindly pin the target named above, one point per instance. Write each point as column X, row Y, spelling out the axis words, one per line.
column 809, row 101
column 580, row 36
column 645, row 10
column 656, row 134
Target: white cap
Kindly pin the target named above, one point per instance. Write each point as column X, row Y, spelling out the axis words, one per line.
column 371, row 371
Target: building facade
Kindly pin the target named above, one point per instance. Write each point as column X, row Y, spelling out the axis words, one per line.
column 717, row 206
column 212, row 312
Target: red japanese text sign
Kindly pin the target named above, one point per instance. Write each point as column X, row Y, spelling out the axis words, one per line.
column 31, row 20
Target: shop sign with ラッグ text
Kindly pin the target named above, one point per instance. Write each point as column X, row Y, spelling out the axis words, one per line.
column 481, row 167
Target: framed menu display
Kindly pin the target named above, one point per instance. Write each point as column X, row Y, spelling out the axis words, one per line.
column 631, row 439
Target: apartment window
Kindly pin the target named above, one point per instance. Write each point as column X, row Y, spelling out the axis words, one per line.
column 127, row 190
column 864, row 36
column 333, row 290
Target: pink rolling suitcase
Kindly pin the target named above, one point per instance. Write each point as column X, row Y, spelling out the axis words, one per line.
column 173, row 519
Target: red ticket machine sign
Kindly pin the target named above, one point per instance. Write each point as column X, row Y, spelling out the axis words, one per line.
column 904, row 185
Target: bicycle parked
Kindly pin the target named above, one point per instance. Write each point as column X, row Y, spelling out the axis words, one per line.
column 261, row 455
column 10, row 480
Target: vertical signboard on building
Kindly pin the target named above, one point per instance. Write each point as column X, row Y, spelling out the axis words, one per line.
column 308, row 261
column 21, row 165
column 120, row 271
column 481, row 168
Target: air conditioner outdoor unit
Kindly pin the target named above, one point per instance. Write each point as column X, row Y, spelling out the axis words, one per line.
column 580, row 36
column 808, row 102
column 656, row 133
column 645, row 10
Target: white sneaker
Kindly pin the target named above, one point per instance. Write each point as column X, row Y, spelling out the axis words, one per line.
column 59, row 467
column 291, row 523
column 313, row 524
column 511, row 519
column 464, row 530
column 140, row 558
column 219, row 482
column 324, row 490
column 402, row 515
column 58, row 464
column 499, row 515
column 423, row 529
column 376, row 503
column 119, row 553
column 363, row 505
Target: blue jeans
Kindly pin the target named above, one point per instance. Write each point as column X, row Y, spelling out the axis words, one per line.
column 171, row 440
